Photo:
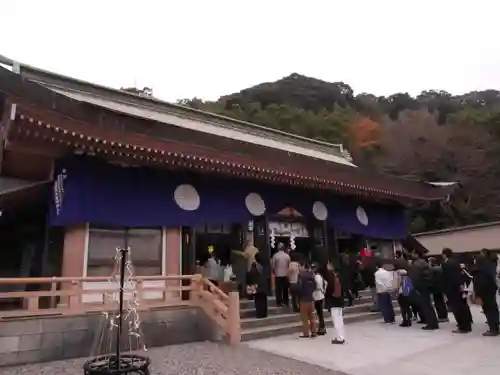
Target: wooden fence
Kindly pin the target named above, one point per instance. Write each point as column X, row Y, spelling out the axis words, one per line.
column 52, row 296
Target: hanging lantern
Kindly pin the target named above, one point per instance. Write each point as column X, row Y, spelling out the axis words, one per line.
column 272, row 238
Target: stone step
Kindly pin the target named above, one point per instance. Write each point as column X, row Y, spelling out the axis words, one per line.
column 249, row 310
column 294, row 327
column 291, row 317
column 246, row 303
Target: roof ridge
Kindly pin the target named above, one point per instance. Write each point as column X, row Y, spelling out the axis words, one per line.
column 33, row 69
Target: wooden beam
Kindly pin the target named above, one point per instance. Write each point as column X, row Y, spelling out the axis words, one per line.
column 27, row 146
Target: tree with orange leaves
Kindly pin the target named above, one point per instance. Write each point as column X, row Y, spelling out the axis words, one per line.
column 364, row 133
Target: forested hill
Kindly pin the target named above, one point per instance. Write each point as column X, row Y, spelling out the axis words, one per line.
column 436, row 136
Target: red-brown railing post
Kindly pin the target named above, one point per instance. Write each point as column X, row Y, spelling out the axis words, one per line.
column 233, row 317
column 75, row 300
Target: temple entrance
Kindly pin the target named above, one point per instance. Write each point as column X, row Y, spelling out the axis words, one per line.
column 219, row 240
column 349, row 243
column 293, row 234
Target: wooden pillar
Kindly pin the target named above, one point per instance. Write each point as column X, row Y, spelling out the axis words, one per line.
column 187, row 254
column 74, row 256
column 74, row 261
column 172, row 261
column 333, row 245
column 233, row 319
column 261, row 242
column 318, row 238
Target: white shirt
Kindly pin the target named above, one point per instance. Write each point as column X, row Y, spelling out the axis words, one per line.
column 280, row 263
column 319, row 293
column 383, row 281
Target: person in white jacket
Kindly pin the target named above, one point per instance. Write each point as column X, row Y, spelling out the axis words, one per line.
column 384, row 284
column 319, row 299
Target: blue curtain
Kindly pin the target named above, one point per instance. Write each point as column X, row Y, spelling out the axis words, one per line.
column 368, row 219
column 87, row 190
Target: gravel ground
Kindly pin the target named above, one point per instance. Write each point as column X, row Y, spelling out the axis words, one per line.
column 197, row 359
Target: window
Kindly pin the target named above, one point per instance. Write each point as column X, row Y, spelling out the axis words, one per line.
column 145, row 246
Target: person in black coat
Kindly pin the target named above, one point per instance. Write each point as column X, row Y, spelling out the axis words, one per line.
column 485, row 289
column 437, row 290
column 422, row 282
column 257, row 284
column 453, row 287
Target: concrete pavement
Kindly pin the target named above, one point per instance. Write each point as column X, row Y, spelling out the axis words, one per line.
column 376, row 348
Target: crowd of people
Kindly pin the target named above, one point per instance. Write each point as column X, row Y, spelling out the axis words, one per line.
column 426, row 289
column 430, row 288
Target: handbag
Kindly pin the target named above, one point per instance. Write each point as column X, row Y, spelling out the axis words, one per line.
column 228, row 273
column 251, row 289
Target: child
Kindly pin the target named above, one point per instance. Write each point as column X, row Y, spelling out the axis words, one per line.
column 404, row 295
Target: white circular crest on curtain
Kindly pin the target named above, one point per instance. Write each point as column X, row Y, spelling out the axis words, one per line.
column 187, row 197
column 320, row 211
column 255, row 204
column 362, row 216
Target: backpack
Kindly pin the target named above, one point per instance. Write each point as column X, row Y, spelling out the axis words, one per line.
column 309, row 285
column 406, row 286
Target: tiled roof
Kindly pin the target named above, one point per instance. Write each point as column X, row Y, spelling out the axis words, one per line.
column 46, row 116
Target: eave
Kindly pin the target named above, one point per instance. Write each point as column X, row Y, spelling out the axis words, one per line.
column 57, row 124
column 36, row 130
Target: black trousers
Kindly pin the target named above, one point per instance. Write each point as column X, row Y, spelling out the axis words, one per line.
column 415, row 306
column 294, row 296
column 461, row 311
column 490, row 309
column 356, row 286
column 440, row 305
column 318, row 306
column 349, row 296
column 428, row 312
column 405, row 306
column 260, row 300
column 281, row 285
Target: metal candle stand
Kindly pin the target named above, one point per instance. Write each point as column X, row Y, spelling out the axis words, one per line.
column 118, row 363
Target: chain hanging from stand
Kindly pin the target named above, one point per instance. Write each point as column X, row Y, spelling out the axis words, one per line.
column 112, row 337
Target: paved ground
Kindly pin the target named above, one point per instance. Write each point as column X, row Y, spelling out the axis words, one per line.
column 376, row 348
column 194, row 359
column 373, row 348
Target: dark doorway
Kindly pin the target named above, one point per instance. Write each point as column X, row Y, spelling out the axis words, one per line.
column 221, row 239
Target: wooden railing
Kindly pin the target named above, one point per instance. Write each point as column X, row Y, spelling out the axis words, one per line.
column 224, row 309
column 72, row 296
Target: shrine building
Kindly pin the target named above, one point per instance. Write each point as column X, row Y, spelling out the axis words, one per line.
column 85, row 169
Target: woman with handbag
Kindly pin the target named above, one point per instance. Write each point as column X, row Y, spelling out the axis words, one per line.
column 335, row 302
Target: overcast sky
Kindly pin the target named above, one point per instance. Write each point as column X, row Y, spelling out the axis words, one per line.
column 208, row 48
